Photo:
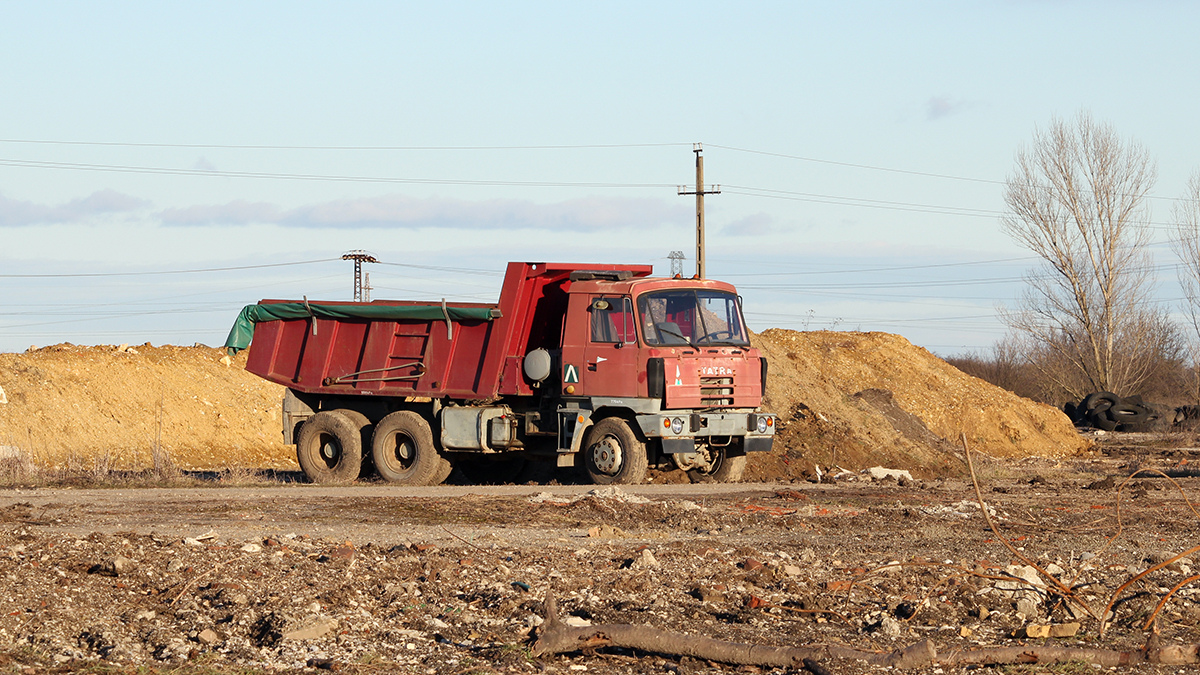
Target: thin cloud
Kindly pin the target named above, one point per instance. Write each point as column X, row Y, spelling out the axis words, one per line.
column 17, row 213
column 753, row 225
column 239, row 212
column 399, row 211
column 938, row 107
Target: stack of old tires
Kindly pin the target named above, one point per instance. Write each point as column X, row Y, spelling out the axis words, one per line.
column 1105, row 410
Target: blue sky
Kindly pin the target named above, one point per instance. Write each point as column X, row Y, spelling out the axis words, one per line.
column 860, row 147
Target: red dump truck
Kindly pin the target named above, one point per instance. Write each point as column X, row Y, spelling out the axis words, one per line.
column 595, row 366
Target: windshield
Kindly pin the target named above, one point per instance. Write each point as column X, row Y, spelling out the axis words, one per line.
column 691, row 317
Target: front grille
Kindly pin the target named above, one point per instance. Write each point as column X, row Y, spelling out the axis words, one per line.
column 716, row 391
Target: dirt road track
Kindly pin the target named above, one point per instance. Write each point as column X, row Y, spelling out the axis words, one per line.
column 377, row 513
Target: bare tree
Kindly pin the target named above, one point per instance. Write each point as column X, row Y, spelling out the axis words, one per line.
column 1186, row 244
column 1077, row 200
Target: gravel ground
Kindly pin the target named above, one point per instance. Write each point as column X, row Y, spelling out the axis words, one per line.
column 449, row 581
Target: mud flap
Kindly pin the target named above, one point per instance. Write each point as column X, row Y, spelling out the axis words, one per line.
column 572, row 427
column 758, row 443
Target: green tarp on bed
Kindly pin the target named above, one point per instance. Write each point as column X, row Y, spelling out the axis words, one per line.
column 243, row 328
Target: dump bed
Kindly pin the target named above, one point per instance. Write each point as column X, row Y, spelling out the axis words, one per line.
column 401, row 348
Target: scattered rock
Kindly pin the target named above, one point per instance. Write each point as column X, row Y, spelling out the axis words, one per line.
column 113, row 567
column 880, row 473
column 606, row 532
column 645, row 559
column 311, row 629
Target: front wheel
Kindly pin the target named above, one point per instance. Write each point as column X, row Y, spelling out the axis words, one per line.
column 329, row 448
column 403, row 450
column 725, row 469
column 614, row 455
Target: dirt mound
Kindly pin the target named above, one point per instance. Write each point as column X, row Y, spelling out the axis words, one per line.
column 112, row 405
column 846, row 399
column 863, row 399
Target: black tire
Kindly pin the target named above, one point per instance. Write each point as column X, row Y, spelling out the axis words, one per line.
column 403, row 450
column 1127, row 414
column 443, row 471
column 329, row 448
column 1070, row 411
column 1152, row 422
column 728, row 469
column 364, row 432
column 1105, row 399
column 1100, row 420
column 614, row 455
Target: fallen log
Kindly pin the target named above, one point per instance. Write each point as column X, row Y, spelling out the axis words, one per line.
column 556, row 637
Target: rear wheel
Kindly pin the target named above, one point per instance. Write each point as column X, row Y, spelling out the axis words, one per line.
column 403, row 450
column 614, row 455
column 329, row 448
column 364, row 432
column 443, row 471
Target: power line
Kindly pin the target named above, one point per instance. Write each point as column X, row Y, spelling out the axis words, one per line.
column 870, row 167
column 885, row 269
column 869, row 202
column 858, row 166
column 461, row 270
column 138, row 274
column 121, row 168
column 217, row 146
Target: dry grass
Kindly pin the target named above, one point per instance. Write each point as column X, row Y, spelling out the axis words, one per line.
column 19, row 469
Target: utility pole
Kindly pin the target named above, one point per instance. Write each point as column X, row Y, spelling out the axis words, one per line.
column 360, row 257
column 676, row 263
column 698, row 148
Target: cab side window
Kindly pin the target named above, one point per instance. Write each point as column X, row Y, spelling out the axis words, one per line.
column 612, row 320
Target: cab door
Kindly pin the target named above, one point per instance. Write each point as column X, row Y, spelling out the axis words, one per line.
column 610, row 367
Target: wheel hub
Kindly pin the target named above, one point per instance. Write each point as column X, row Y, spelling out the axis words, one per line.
column 606, row 456
column 330, row 451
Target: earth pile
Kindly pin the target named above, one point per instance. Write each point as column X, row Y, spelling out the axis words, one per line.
column 850, row 400
column 855, row 400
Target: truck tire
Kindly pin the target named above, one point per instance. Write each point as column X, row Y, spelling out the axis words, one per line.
column 329, row 448
column 729, row 469
column 367, row 469
column 443, row 472
column 613, row 454
column 1099, row 400
column 1100, row 420
column 403, row 450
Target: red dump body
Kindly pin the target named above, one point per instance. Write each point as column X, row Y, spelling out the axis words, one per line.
column 412, row 357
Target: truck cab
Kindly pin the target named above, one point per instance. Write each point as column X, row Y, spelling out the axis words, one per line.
column 671, row 359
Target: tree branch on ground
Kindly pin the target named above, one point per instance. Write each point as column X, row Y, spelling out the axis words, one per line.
column 555, row 637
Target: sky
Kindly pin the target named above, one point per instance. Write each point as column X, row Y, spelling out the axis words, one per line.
column 164, row 164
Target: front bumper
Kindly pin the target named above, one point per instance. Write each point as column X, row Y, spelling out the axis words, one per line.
column 679, row 431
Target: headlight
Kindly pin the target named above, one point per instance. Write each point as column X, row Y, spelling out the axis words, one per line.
column 676, row 426
column 762, row 425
